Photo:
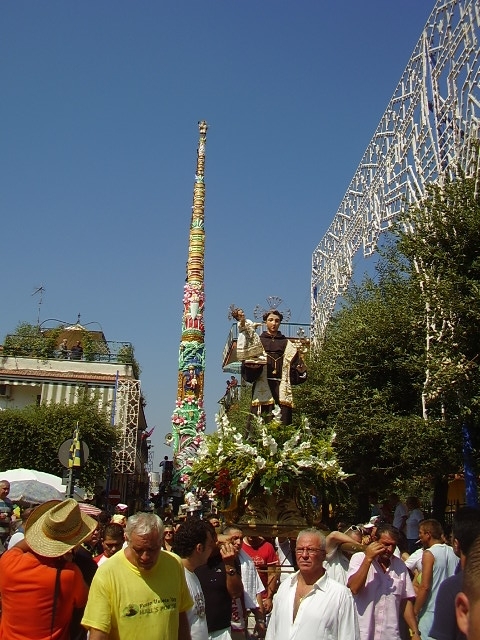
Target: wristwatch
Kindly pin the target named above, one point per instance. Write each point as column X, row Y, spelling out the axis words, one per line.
column 231, row 571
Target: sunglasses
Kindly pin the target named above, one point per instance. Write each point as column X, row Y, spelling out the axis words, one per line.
column 355, row 528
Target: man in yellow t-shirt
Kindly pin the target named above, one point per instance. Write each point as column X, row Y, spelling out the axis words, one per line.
column 141, row 592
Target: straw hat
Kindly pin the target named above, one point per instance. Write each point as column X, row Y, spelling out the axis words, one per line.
column 54, row 528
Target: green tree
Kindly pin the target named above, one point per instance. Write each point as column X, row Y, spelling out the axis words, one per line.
column 397, row 374
column 365, row 383
column 30, row 438
column 29, row 341
column 440, row 238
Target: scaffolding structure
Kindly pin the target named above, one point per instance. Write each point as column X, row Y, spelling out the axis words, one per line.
column 429, row 128
column 127, row 413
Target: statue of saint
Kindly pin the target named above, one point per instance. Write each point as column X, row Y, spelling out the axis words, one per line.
column 272, row 384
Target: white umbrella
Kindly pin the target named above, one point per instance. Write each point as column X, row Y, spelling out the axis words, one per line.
column 17, row 475
column 13, row 475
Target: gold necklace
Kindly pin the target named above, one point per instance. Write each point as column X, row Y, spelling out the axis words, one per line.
column 302, row 598
column 275, row 360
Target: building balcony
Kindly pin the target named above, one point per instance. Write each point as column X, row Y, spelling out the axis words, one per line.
column 41, row 348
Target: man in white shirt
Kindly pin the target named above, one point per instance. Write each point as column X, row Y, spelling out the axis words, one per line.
column 194, row 544
column 310, row 604
column 252, row 584
column 340, row 548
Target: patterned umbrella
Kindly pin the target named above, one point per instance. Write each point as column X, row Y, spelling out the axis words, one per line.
column 33, row 492
column 89, row 509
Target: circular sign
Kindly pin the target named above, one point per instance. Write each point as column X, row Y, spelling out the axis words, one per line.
column 64, row 452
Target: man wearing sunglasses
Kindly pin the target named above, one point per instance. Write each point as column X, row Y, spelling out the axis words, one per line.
column 310, row 604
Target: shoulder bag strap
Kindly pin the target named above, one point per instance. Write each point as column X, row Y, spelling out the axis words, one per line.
column 56, row 593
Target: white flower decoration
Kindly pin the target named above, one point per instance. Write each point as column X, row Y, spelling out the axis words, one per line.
column 260, row 462
column 276, row 412
column 243, row 485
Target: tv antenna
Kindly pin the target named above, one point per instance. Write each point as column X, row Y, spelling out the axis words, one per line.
column 39, row 290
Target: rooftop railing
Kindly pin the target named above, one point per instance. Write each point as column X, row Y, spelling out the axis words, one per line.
column 42, row 348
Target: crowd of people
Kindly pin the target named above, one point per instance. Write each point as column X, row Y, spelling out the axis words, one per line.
column 71, row 576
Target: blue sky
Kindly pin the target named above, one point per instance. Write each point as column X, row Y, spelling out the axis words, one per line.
column 98, row 137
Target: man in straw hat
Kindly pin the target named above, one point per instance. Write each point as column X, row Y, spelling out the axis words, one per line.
column 141, row 592
column 41, row 588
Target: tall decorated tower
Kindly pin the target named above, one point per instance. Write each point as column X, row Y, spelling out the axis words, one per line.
column 188, row 419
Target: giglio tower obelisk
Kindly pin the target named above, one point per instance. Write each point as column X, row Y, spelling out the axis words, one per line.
column 188, row 419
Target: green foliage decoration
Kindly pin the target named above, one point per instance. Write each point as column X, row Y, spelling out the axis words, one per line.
column 30, row 342
column 30, row 437
column 365, row 383
column 126, row 355
column 440, row 240
column 92, row 347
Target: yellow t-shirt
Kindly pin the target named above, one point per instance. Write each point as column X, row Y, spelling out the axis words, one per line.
column 129, row 604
